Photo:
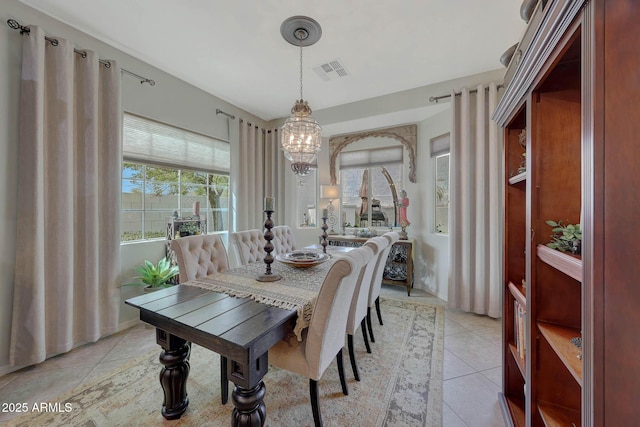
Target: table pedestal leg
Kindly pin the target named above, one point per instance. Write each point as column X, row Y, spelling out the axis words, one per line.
column 173, row 378
column 250, row 410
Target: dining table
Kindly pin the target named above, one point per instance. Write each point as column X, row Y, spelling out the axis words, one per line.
column 237, row 316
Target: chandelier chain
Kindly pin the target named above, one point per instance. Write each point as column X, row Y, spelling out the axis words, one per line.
column 300, row 38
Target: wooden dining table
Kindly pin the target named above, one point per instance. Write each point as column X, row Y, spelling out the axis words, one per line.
column 236, row 316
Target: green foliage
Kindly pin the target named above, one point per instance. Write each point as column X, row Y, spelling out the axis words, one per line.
column 155, row 275
column 565, row 237
column 137, row 235
column 188, row 228
column 170, row 181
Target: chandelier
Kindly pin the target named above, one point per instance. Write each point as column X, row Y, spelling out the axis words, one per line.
column 300, row 138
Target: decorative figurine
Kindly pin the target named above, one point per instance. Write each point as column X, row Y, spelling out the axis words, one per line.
column 403, row 203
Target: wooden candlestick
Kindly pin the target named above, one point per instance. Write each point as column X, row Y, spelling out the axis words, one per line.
column 324, row 234
column 268, row 276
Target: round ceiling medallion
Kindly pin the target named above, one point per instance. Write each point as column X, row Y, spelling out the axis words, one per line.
column 299, row 28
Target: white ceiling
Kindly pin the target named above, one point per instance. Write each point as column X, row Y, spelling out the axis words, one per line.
column 233, row 48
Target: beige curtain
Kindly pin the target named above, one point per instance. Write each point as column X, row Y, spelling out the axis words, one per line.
column 275, row 167
column 259, row 176
column 475, row 218
column 67, row 260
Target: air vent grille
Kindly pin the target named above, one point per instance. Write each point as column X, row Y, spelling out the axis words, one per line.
column 331, row 70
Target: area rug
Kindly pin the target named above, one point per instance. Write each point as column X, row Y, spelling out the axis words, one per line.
column 401, row 385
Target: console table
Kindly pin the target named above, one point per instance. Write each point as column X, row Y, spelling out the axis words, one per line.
column 398, row 270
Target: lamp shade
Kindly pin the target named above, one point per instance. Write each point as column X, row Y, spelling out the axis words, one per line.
column 330, row 192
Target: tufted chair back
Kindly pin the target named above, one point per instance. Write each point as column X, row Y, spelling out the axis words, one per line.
column 283, row 240
column 323, row 340
column 374, row 293
column 249, row 245
column 360, row 299
column 200, row 255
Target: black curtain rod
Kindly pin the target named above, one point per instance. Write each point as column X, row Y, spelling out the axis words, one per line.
column 436, row 98
column 252, row 125
column 12, row 23
column 231, row 116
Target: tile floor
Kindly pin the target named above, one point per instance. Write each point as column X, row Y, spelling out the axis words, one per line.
column 472, row 361
column 472, row 375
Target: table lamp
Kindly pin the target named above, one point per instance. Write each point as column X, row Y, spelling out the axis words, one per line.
column 331, row 192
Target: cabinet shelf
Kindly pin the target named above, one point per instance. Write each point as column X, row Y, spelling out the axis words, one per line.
column 521, row 177
column 518, row 293
column 514, row 408
column 571, row 265
column 519, row 360
column 559, row 338
column 553, row 415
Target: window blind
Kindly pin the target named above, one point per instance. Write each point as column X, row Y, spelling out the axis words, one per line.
column 149, row 141
column 440, row 145
column 373, row 157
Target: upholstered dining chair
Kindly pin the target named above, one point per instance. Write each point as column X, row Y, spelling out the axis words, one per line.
column 376, row 284
column 283, row 239
column 199, row 256
column 249, row 245
column 360, row 301
column 323, row 340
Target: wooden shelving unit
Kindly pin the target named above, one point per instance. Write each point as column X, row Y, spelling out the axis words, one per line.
column 555, row 416
column 559, row 338
column 574, row 94
column 515, row 292
column 571, row 265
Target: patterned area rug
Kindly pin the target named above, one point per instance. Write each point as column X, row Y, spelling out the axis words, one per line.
column 401, row 384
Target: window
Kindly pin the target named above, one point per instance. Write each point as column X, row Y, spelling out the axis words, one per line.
column 369, row 179
column 440, row 154
column 163, row 175
column 306, row 212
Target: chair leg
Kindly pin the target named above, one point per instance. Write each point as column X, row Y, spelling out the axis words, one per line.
column 378, row 310
column 352, row 357
column 343, row 383
column 315, row 402
column 363, row 326
column 369, row 324
column 224, row 381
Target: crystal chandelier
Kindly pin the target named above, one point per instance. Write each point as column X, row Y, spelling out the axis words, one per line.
column 300, row 139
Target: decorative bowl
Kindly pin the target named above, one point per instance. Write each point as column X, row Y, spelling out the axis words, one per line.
column 302, row 259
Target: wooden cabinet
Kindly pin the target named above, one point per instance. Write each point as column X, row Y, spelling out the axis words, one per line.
column 575, row 98
column 398, row 270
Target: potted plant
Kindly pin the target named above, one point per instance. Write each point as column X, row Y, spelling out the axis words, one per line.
column 155, row 276
column 188, row 228
column 566, row 238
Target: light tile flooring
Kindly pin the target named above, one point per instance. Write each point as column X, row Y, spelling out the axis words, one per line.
column 472, row 361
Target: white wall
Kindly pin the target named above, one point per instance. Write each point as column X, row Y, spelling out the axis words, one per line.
column 432, row 254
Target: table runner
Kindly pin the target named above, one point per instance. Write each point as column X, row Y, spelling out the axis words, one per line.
column 298, row 289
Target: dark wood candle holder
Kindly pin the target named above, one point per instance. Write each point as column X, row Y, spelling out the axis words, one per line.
column 268, row 276
column 324, row 234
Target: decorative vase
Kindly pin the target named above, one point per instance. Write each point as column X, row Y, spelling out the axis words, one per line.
column 526, row 9
column 505, row 59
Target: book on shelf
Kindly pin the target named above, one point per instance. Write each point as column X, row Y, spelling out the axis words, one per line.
column 519, row 328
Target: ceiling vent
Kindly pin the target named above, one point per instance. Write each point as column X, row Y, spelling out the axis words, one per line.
column 331, row 70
